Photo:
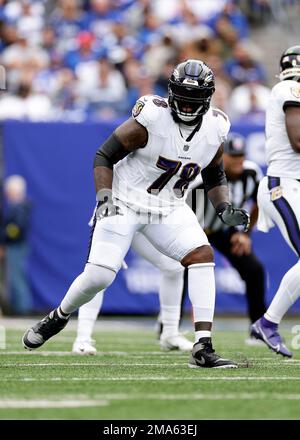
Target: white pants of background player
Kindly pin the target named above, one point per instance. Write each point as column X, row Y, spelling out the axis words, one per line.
column 174, row 235
column 170, row 292
column 279, row 203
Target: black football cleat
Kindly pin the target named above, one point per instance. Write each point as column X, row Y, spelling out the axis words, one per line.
column 204, row 356
column 49, row 326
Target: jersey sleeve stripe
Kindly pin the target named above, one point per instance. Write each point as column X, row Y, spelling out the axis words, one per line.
column 287, row 104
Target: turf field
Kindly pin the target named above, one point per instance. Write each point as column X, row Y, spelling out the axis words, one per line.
column 131, row 378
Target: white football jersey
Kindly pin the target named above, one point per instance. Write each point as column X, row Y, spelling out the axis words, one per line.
column 155, row 178
column 282, row 160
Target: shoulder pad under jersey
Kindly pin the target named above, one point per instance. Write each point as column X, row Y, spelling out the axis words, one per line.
column 223, row 123
column 150, row 110
column 286, row 91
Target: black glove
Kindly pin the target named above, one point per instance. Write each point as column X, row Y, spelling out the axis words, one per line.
column 233, row 217
column 106, row 207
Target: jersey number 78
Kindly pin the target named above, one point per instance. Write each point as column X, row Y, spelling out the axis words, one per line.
column 188, row 173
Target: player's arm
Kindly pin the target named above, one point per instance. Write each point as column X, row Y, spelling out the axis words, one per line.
column 126, row 138
column 292, row 122
column 215, row 184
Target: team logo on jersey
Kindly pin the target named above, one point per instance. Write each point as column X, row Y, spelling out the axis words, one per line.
column 295, row 92
column 139, row 105
column 276, row 193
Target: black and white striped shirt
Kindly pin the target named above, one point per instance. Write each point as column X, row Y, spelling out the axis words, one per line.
column 241, row 191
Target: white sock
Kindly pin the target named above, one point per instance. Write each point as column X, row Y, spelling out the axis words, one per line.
column 202, row 293
column 202, row 334
column 170, row 320
column 87, row 316
column 87, row 284
column 286, row 295
column 170, row 294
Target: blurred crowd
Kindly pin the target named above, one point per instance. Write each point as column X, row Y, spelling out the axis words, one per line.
column 77, row 59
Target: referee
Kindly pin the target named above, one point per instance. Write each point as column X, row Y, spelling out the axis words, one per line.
column 243, row 177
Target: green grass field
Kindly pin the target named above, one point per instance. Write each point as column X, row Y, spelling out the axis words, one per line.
column 131, row 378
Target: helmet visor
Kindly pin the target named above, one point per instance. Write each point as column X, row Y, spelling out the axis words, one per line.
column 191, row 93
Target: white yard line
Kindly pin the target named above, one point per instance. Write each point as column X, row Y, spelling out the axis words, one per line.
column 130, row 353
column 201, row 396
column 127, row 364
column 156, row 378
column 91, row 364
column 140, row 354
column 273, row 358
column 104, row 399
column 15, row 403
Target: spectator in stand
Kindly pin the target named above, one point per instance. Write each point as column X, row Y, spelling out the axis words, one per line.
column 48, row 40
column 65, row 98
column 200, row 47
column 84, row 51
column 223, row 87
column 227, row 35
column 8, row 35
column 25, row 104
column 250, row 95
column 244, row 66
column 232, row 15
column 189, row 27
column 206, row 9
column 100, row 20
column 105, row 92
column 150, row 32
column 158, row 54
column 143, row 84
column 67, row 20
column 249, row 99
column 15, row 238
column 28, row 18
column 22, row 55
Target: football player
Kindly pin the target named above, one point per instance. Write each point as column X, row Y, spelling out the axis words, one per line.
column 279, row 191
column 142, row 172
column 243, row 179
column 170, row 293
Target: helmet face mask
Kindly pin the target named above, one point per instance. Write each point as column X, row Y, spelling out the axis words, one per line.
column 290, row 64
column 191, row 87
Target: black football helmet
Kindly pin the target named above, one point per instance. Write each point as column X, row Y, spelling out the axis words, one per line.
column 190, row 89
column 290, row 64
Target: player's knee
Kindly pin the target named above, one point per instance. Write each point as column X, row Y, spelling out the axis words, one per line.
column 98, row 277
column 202, row 254
column 106, row 254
